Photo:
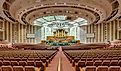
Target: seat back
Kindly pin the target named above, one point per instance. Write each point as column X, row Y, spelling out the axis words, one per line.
column 14, row 63
column 114, row 68
column 30, row 63
column 106, row 63
column 114, row 63
column 18, row 68
column 29, row 68
column 76, row 59
column 1, row 63
column 38, row 63
column 98, row 63
column 22, row 63
column 89, row 63
column 6, row 63
column 102, row 68
column 81, row 64
column 6, row 68
column 90, row 68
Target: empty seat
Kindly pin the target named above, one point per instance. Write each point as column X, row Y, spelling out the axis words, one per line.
column 83, row 59
column 106, row 63
column 6, row 58
column 119, row 63
column 43, row 60
column 102, row 59
column 38, row 63
column 96, row 59
column 14, row 63
column 1, row 63
column 22, row 63
column 18, row 68
column 115, row 58
column 114, row 68
column 108, row 59
column 102, row 68
column 89, row 63
column 90, row 68
column 6, row 63
column 37, row 59
column 89, row 59
column 76, row 59
column 12, row 59
column 24, row 59
column 17, row 59
column 77, row 68
column 1, row 58
column 98, row 63
column 29, row 68
column 30, row 59
column 81, row 63
column 114, row 63
column 30, row 63
column 6, row 68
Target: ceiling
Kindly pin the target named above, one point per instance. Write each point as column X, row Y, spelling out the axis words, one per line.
column 27, row 11
column 59, row 21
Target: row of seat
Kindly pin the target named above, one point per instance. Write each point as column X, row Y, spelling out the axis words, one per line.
column 94, row 59
column 97, row 63
column 16, row 60
column 99, row 68
column 24, row 63
column 84, row 59
column 21, row 68
column 48, row 56
column 93, row 53
column 79, row 55
column 24, row 59
column 26, row 54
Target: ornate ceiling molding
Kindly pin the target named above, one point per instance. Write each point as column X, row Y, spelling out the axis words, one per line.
column 23, row 14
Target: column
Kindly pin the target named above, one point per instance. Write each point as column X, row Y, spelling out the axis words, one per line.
column 105, row 39
column 91, row 33
column 95, row 31
column 110, row 30
column 58, row 33
column 22, row 30
column 19, row 32
column 4, row 29
column 11, row 32
column 98, row 33
column 102, row 32
column 35, row 34
column 29, row 33
column 32, row 33
column 114, row 22
column 117, row 29
column 7, row 34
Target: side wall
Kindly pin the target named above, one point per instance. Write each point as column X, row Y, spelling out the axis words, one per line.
column 16, row 32
column 103, row 32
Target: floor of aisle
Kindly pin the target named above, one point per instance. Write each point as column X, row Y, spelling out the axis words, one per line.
column 65, row 64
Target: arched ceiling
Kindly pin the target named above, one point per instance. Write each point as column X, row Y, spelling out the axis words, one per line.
column 26, row 11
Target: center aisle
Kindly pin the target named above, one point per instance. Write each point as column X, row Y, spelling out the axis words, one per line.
column 66, row 66
column 55, row 64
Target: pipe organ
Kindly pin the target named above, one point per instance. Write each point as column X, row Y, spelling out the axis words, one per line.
column 60, row 33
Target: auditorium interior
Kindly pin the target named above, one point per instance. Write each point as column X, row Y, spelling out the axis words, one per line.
column 60, row 35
